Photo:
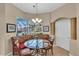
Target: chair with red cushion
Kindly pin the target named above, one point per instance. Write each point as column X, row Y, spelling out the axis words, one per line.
column 21, row 50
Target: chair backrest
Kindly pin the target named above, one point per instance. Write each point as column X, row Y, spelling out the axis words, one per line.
column 25, row 38
column 15, row 49
column 13, row 39
column 45, row 36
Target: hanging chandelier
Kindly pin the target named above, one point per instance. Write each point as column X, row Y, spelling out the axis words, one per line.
column 36, row 20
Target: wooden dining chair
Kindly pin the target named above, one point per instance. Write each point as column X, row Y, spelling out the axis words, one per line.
column 17, row 51
column 50, row 43
column 50, row 47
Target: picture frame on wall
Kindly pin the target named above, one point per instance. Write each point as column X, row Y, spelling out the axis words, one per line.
column 45, row 28
column 10, row 28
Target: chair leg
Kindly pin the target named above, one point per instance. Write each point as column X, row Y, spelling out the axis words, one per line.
column 52, row 50
column 46, row 52
column 41, row 51
column 13, row 53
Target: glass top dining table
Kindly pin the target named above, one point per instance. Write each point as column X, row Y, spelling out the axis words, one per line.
column 36, row 44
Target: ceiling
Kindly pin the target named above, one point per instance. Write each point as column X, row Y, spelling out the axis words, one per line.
column 42, row 7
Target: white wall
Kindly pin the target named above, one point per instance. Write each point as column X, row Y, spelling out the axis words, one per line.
column 46, row 21
column 77, row 6
column 2, row 30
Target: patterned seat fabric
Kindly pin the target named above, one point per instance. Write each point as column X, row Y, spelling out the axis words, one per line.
column 25, row 51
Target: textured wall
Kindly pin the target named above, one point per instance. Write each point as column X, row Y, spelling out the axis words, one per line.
column 2, row 30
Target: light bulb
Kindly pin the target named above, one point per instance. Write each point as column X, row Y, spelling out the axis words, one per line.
column 39, row 21
column 34, row 20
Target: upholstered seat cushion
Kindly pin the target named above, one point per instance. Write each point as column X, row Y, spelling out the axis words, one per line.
column 22, row 46
column 47, row 44
column 25, row 51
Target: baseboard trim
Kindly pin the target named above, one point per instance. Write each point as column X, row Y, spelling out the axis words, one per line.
column 62, row 48
column 9, row 54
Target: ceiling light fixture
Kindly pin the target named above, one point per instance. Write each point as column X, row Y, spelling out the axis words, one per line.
column 36, row 20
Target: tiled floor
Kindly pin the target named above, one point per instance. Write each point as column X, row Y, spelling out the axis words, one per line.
column 59, row 52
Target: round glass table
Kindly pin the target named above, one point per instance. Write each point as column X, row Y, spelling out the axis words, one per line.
column 36, row 44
